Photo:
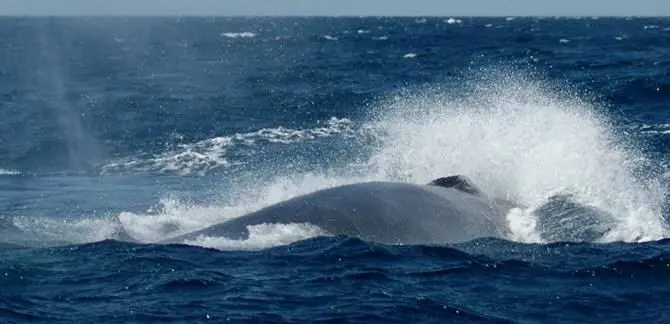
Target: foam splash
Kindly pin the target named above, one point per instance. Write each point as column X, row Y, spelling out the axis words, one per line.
column 261, row 236
column 239, row 35
column 205, row 155
column 8, row 172
column 523, row 226
column 173, row 217
column 520, row 139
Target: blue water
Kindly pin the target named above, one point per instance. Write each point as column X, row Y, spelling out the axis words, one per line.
column 156, row 127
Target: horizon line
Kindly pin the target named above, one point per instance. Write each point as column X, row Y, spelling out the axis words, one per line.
column 133, row 15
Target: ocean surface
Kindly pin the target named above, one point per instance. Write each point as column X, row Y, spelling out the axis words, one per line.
column 155, row 127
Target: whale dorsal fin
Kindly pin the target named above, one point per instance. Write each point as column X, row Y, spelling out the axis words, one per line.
column 459, row 182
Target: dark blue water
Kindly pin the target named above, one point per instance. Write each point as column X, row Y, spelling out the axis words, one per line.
column 156, row 127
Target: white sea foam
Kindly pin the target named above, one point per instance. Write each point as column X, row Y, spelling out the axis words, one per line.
column 261, row 237
column 650, row 129
column 239, row 35
column 172, row 217
column 9, row 172
column 410, row 55
column 205, row 155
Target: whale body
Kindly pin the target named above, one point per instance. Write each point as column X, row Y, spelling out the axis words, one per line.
column 447, row 210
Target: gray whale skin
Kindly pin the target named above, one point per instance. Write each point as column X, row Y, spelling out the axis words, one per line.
column 446, row 210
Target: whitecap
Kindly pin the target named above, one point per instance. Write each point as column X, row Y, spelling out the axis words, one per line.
column 239, row 35
column 208, row 154
column 9, row 172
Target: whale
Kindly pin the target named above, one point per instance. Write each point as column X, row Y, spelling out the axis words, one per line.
column 446, row 210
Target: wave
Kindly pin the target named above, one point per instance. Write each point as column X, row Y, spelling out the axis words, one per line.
column 9, row 172
column 206, row 155
column 650, row 129
column 452, row 21
column 239, row 35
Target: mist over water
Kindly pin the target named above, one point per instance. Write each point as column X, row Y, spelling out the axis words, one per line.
column 54, row 88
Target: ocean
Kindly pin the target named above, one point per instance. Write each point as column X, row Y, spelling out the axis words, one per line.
column 156, row 127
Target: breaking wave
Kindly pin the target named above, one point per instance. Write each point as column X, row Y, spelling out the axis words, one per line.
column 206, row 155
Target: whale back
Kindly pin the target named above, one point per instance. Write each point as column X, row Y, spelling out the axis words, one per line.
column 384, row 212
